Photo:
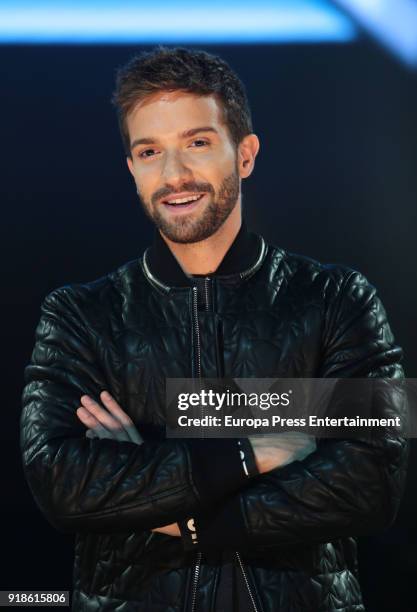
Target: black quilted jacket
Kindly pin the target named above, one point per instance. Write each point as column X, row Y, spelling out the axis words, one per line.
column 293, row 528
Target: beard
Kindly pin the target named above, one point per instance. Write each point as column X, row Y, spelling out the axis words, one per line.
column 185, row 229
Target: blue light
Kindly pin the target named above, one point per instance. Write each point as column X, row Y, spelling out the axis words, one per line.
column 392, row 22
column 178, row 21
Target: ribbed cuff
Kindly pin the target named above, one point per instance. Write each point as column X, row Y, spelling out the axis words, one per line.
column 188, row 534
column 216, row 468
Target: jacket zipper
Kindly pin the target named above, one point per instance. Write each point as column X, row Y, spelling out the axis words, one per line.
column 197, row 566
column 195, row 581
column 245, row 577
column 197, row 331
column 198, row 351
column 196, row 572
column 242, row 567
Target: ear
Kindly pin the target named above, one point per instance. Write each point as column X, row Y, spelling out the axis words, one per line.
column 130, row 165
column 247, row 151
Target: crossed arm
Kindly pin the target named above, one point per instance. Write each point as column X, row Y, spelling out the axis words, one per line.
column 113, row 422
column 345, row 487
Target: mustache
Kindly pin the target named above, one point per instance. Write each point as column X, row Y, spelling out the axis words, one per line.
column 192, row 187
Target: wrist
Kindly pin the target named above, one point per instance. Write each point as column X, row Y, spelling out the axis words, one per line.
column 259, row 455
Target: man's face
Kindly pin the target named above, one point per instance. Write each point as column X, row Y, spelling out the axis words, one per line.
column 184, row 164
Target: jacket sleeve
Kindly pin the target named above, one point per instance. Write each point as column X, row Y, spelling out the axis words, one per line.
column 104, row 485
column 346, row 487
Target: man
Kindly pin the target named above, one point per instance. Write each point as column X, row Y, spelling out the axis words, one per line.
column 260, row 524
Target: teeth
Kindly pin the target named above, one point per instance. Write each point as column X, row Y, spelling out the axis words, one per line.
column 184, row 200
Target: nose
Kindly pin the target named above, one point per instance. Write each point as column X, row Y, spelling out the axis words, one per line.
column 174, row 170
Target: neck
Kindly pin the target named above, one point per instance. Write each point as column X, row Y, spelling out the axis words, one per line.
column 204, row 257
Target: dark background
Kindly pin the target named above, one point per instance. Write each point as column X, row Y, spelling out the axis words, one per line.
column 336, row 179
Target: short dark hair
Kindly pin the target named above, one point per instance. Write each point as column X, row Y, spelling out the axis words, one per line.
column 194, row 71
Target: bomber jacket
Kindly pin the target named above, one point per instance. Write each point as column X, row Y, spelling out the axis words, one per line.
column 290, row 533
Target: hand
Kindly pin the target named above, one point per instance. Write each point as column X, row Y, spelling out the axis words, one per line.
column 111, row 423
column 172, row 529
column 276, row 450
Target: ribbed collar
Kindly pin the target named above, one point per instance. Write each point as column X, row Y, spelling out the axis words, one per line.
column 240, row 256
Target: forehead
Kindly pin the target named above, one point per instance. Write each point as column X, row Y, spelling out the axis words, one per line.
column 171, row 112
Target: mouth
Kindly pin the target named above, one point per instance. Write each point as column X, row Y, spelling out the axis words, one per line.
column 182, row 202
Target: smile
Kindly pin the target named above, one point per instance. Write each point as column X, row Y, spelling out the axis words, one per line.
column 184, row 203
column 183, row 200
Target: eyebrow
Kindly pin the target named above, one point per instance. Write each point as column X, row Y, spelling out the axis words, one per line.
column 186, row 134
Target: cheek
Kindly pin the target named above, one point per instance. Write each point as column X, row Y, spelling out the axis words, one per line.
column 144, row 172
column 146, row 180
column 213, row 167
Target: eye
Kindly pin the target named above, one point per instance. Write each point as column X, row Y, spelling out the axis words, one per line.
column 200, row 143
column 146, row 153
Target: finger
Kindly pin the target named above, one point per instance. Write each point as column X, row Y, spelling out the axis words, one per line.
column 92, row 423
column 134, row 435
column 86, row 417
column 121, row 415
column 115, row 408
column 101, row 415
